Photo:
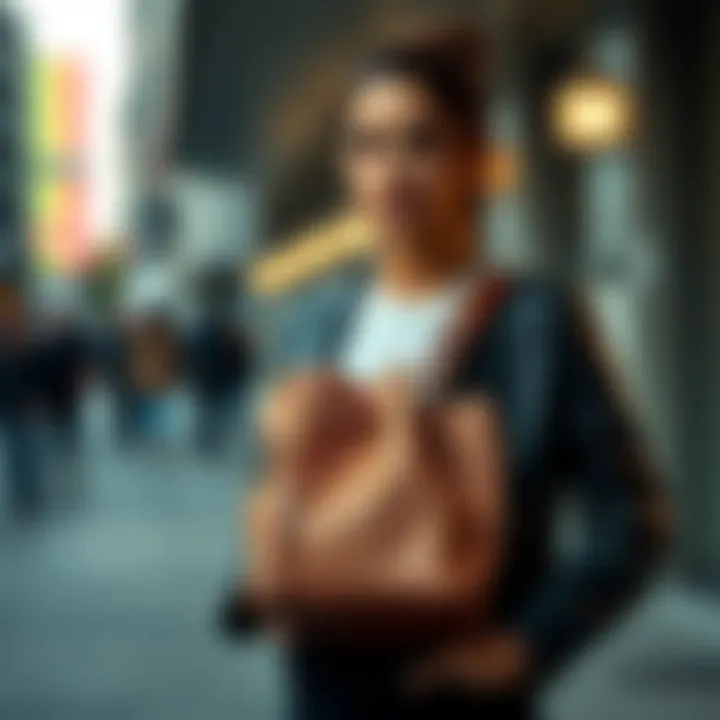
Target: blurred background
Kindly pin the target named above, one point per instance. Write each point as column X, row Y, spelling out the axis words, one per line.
column 168, row 197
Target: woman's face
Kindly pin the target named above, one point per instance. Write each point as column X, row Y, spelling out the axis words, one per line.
column 407, row 165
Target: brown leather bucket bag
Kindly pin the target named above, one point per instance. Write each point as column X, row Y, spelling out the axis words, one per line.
column 381, row 518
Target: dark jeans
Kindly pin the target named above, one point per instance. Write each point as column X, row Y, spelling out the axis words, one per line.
column 215, row 413
column 126, row 415
column 330, row 686
column 65, row 425
column 22, row 464
column 65, row 446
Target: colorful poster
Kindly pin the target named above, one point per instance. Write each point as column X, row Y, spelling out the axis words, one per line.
column 59, row 216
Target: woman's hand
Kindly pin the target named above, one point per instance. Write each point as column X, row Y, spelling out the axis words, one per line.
column 499, row 662
column 312, row 414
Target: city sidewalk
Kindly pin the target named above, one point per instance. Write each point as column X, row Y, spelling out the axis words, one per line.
column 107, row 611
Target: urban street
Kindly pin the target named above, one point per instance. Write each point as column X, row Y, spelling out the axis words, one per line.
column 108, row 608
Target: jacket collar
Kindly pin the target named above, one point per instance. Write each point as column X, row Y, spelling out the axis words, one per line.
column 339, row 304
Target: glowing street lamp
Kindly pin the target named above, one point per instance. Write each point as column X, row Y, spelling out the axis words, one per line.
column 591, row 114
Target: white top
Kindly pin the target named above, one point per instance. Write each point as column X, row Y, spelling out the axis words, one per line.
column 392, row 334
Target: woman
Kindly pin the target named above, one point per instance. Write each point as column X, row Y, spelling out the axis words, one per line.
column 412, row 147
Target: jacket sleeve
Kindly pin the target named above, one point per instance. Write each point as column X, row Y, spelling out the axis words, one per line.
column 289, row 347
column 624, row 507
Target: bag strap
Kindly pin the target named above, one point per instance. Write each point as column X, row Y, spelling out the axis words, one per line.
column 485, row 298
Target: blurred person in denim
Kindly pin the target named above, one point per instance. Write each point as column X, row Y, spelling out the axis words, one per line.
column 154, row 357
column 112, row 361
column 19, row 403
column 413, row 144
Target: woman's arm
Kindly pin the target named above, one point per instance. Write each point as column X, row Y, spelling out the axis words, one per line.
column 624, row 505
column 627, row 516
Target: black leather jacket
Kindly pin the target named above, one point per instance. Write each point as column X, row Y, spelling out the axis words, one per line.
column 567, row 434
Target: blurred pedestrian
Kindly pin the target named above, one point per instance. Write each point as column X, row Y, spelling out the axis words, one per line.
column 154, row 364
column 19, row 395
column 114, row 360
column 64, row 363
column 219, row 360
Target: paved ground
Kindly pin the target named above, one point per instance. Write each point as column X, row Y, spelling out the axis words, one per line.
column 106, row 611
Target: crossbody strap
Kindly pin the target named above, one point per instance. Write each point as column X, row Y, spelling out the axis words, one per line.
column 485, row 298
